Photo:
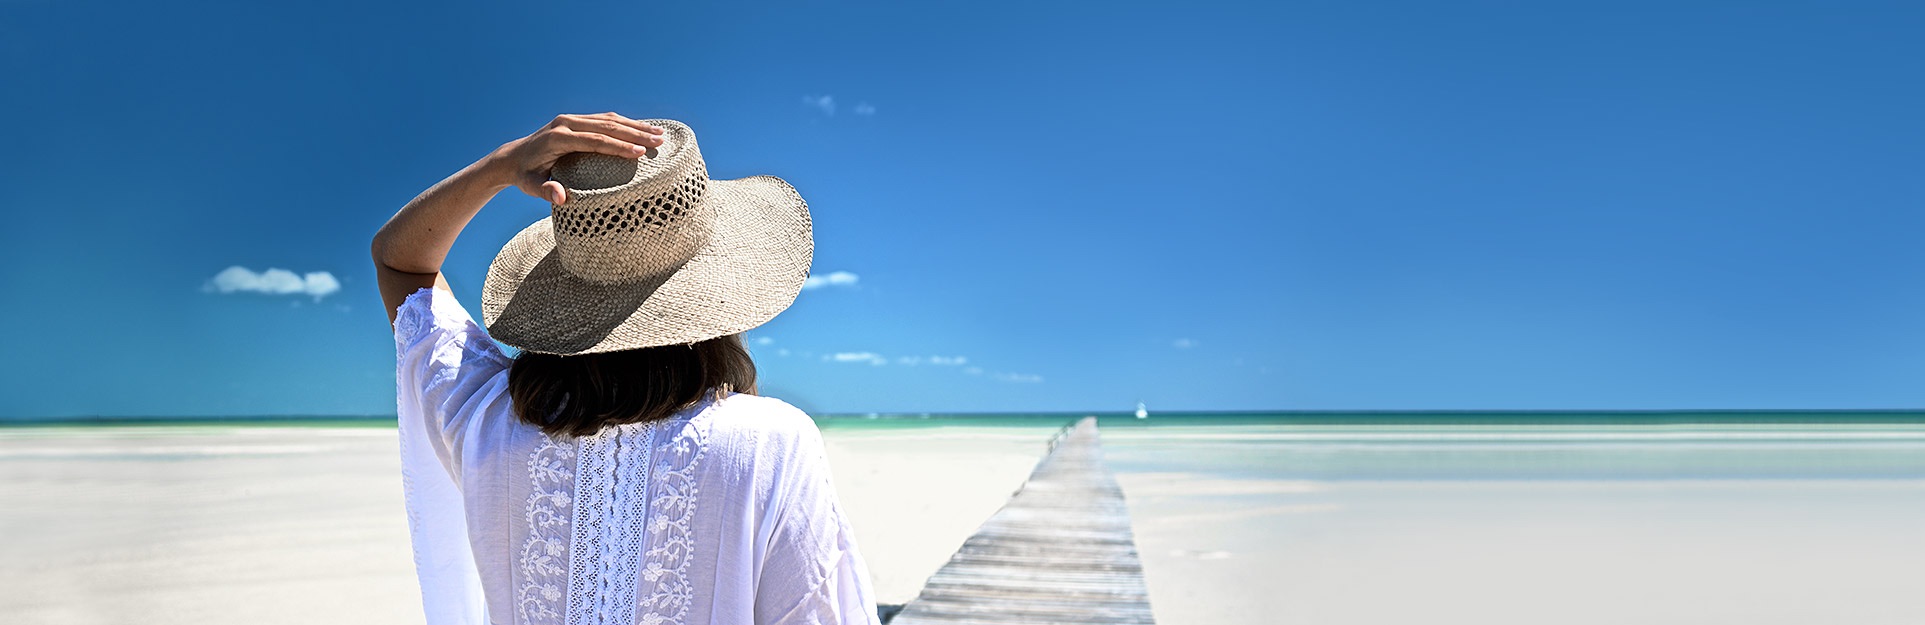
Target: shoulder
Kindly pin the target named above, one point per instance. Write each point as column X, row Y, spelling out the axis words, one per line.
column 767, row 416
column 766, row 429
column 433, row 318
column 773, row 445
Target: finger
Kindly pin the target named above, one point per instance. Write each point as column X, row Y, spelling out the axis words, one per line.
column 614, row 129
column 564, row 141
column 632, row 123
column 554, row 192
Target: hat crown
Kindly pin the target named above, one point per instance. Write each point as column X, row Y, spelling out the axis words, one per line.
column 633, row 219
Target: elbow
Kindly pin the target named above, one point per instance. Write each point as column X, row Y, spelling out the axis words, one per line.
column 382, row 249
column 393, row 256
column 378, row 248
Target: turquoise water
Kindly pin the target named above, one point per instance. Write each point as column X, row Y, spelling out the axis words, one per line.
column 1483, row 446
column 1413, row 445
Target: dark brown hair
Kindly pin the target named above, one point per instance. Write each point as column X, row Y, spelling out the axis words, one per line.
column 578, row 395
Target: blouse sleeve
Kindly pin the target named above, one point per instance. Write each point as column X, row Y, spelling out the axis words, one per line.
column 445, row 369
column 813, row 574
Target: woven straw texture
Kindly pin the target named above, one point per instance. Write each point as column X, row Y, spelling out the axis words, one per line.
column 649, row 252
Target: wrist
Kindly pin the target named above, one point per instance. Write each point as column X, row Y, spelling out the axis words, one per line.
column 495, row 171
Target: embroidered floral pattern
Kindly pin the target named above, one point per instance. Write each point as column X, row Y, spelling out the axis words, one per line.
column 671, row 510
column 544, row 555
column 611, row 542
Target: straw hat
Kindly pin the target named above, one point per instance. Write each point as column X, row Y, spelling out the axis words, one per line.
column 648, row 252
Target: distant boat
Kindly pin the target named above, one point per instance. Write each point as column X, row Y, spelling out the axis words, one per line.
column 1142, row 412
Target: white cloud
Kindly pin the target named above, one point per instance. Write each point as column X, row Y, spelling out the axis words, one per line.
column 834, row 278
column 763, row 340
column 783, row 352
column 1183, row 344
column 1024, row 378
column 864, row 108
column 940, row 361
column 868, row 357
column 238, row 279
column 877, row 360
column 321, row 284
column 824, row 103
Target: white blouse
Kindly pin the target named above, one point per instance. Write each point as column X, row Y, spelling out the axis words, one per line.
column 723, row 513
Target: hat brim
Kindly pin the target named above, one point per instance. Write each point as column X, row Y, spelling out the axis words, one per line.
column 751, row 269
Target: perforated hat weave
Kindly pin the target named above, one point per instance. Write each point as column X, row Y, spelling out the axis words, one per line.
column 649, row 251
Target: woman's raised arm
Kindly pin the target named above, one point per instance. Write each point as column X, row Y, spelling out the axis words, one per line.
column 408, row 250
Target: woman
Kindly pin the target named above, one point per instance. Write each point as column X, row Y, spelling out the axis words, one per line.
column 619, row 468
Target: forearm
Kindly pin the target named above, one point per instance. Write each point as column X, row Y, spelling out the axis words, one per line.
column 417, row 239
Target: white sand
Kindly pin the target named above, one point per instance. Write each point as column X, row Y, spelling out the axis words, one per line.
column 293, row 525
column 915, row 495
column 296, row 525
column 203, row 525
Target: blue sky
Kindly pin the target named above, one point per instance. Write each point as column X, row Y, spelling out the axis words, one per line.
column 1200, row 205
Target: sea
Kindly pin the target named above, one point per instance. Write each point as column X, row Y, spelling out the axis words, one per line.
column 1485, row 517
column 1450, row 446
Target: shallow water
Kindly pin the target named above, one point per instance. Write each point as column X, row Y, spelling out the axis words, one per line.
column 1522, row 518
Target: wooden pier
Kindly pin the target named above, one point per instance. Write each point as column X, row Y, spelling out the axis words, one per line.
column 1059, row 552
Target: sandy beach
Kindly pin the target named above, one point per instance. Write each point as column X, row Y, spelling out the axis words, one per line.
column 204, row 525
column 304, row 524
column 293, row 525
column 915, row 495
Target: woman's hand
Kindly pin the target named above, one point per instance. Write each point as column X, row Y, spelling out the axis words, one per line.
column 408, row 251
column 526, row 162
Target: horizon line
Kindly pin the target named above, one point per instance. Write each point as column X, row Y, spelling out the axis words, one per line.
column 869, row 415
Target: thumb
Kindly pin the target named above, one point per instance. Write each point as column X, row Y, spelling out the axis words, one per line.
column 554, row 192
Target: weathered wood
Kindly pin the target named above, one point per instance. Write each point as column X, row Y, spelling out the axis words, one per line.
column 1059, row 552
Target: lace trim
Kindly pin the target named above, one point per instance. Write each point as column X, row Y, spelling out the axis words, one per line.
column 594, row 481
column 624, row 547
column 544, row 556
column 670, row 532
